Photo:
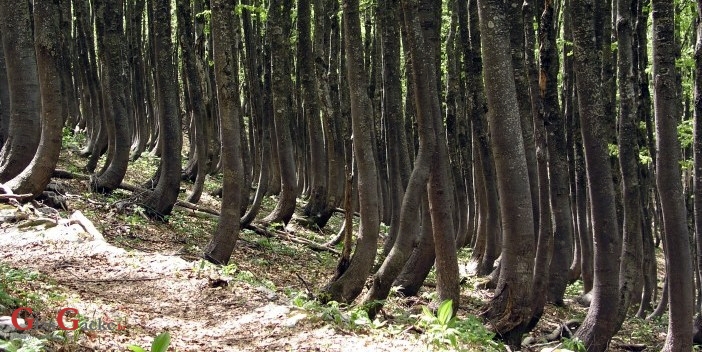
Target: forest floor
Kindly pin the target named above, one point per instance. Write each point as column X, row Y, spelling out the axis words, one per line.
column 147, row 277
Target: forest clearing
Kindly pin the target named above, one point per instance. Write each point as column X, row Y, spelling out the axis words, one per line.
column 472, row 175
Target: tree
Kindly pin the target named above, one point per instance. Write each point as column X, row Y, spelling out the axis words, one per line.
column 22, row 80
column 195, row 96
column 510, row 308
column 698, row 141
column 666, row 101
column 317, row 208
column 632, row 249
column 349, row 284
column 226, row 44
column 112, row 48
column 279, row 25
column 160, row 201
column 600, row 324
column 47, row 43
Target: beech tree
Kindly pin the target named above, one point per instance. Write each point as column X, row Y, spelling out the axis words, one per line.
column 600, row 323
column 511, row 311
column 23, row 85
column 49, row 60
column 666, row 100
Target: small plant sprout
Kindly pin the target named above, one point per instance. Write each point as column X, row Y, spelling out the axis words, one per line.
column 160, row 344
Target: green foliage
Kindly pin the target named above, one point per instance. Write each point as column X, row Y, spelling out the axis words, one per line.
column 645, row 156
column 258, row 11
column 160, row 344
column 613, row 150
column 353, row 318
column 445, row 331
column 29, row 344
column 12, row 295
column 71, row 139
column 574, row 344
column 575, row 289
column 685, row 133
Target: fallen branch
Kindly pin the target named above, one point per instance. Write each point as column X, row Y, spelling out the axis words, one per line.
column 341, row 210
column 211, row 213
column 17, row 197
column 285, row 236
column 67, row 175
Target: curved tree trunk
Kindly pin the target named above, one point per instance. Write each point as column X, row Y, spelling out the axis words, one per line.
column 558, row 159
column 24, row 129
column 600, row 323
column 279, row 28
column 347, row 287
column 226, row 74
column 112, row 56
column 666, row 102
column 47, row 41
column 630, row 273
column 317, row 207
column 195, row 95
column 160, row 202
column 510, row 307
column 409, row 212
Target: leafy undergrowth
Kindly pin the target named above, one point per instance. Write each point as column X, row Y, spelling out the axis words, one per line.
column 262, row 301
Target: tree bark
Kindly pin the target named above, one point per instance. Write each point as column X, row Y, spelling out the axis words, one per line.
column 160, row 202
column 347, row 287
column 47, row 43
column 20, row 63
column 600, row 324
column 226, row 45
column 317, row 207
column 630, row 273
column 558, row 159
column 666, row 102
column 112, row 56
column 510, row 307
column 279, row 28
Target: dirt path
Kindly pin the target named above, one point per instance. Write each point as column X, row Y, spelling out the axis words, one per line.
column 152, row 293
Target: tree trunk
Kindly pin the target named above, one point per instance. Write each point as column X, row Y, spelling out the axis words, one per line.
column 279, row 28
column 558, row 158
column 630, row 273
column 160, row 202
column 195, row 96
column 698, row 141
column 47, row 43
column 20, row 63
column 510, row 307
column 599, row 325
column 317, row 207
column 112, row 57
column 4, row 98
column 347, row 287
column 666, row 102
column 226, row 62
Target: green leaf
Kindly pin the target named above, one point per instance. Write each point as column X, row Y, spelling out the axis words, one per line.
column 445, row 312
column 427, row 313
column 161, row 342
column 135, row 348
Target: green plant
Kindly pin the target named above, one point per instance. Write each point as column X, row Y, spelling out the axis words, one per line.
column 11, row 294
column 445, row 331
column 574, row 344
column 160, row 344
column 29, row 344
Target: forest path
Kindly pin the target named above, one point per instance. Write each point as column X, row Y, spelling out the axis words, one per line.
column 151, row 293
